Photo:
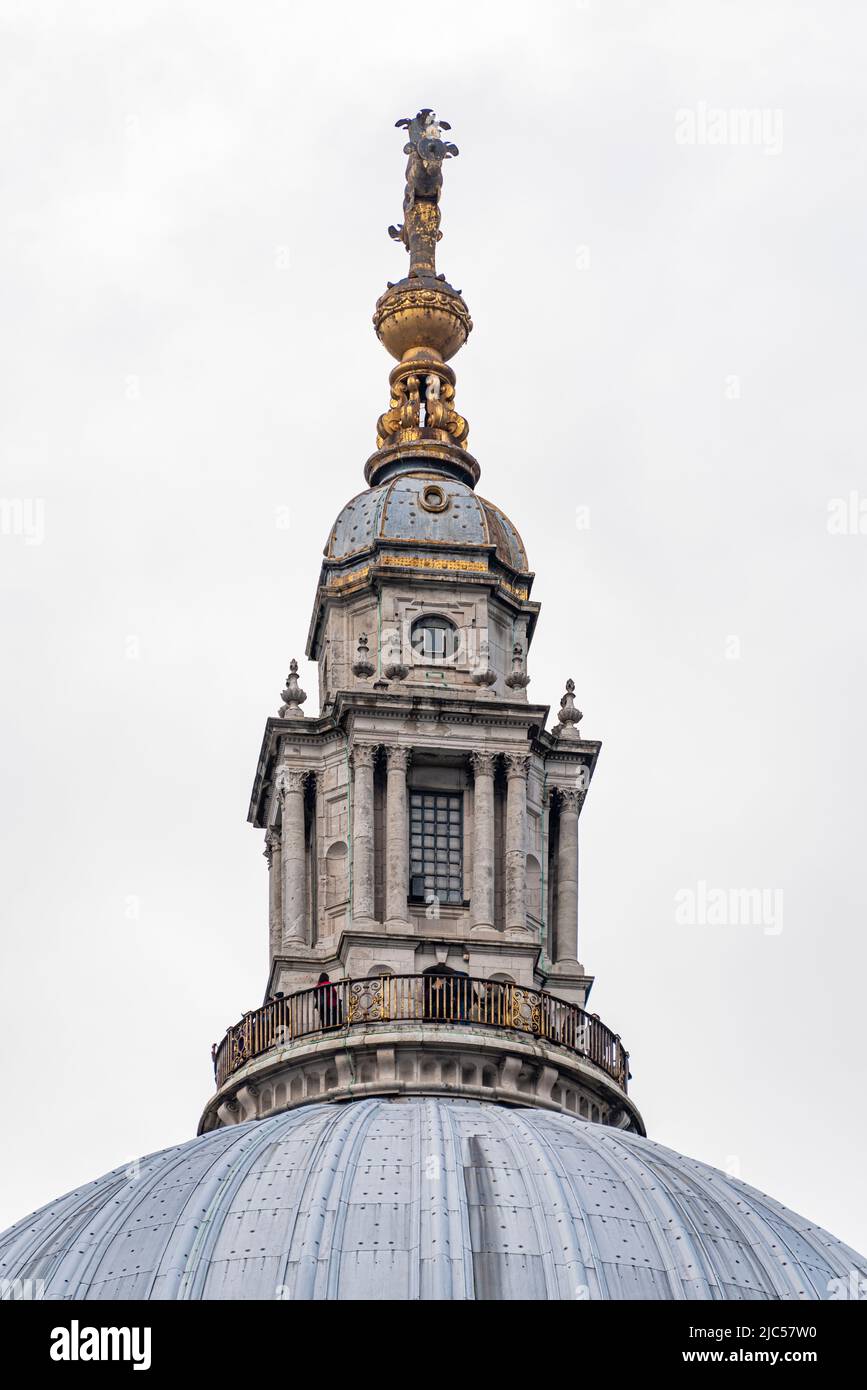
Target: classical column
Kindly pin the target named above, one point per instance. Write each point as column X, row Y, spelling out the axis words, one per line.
column 517, row 768
column 396, row 836
column 362, row 830
column 275, row 895
column 566, row 906
column 482, row 904
column 293, row 858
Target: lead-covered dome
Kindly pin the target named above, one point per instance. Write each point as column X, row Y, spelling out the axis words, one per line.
column 423, row 1198
column 425, row 508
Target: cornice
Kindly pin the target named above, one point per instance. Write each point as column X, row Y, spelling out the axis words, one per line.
column 447, row 707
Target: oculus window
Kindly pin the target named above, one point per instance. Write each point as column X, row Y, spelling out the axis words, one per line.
column 434, row 639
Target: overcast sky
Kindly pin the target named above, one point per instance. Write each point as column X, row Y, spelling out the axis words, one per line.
column 664, row 388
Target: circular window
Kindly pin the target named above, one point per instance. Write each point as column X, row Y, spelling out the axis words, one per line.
column 433, row 498
column 434, row 639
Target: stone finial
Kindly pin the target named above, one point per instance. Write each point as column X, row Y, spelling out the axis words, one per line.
column 568, row 714
column 519, row 678
column 484, row 674
column 395, row 668
column 363, row 665
column 293, row 696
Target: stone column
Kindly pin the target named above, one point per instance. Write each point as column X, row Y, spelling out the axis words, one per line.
column 517, row 768
column 566, row 906
column 293, row 859
column 362, row 830
column 316, row 868
column 275, row 895
column 482, row 904
column 396, row 836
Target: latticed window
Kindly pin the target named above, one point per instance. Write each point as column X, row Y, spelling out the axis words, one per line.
column 436, row 846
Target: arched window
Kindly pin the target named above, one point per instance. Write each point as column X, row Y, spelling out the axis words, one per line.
column 434, row 638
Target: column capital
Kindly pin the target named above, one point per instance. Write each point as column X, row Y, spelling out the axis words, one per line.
column 290, row 779
column 272, row 842
column 483, row 763
column 362, row 754
column 571, row 798
column 398, row 756
column 517, row 765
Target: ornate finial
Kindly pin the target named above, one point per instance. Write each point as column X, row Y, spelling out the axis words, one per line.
column 483, row 674
column 568, row 714
column 420, row 229
column 519, row 678
column 363, row 665
column 422, row 321
column 293, row 696
column 395, row 667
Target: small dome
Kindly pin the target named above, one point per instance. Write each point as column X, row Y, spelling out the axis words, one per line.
column 429, row 508
column 422, row 1198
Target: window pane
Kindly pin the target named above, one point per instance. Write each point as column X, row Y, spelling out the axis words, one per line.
column 434, row 638
column 436, row 845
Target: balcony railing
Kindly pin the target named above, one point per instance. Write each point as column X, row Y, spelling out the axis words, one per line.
column 339, row 1006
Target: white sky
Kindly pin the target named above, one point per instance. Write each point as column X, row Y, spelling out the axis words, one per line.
column 169, row 386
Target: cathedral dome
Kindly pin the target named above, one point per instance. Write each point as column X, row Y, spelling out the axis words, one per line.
column 432, row 1198
column 425, row 508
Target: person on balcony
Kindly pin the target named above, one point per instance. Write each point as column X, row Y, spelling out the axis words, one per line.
column 328, row 1003
column 449, row 997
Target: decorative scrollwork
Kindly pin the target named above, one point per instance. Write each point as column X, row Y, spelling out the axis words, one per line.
column 525, row 1010
column 366, row 1002
column 239, row 1046
column 422, row 398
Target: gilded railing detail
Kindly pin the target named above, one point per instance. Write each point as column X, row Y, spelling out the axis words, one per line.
column 526, row 1010
column 366, row 1001
column 340, row 1005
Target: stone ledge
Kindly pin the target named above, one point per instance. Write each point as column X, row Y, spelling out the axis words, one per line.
column 479, row 1063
